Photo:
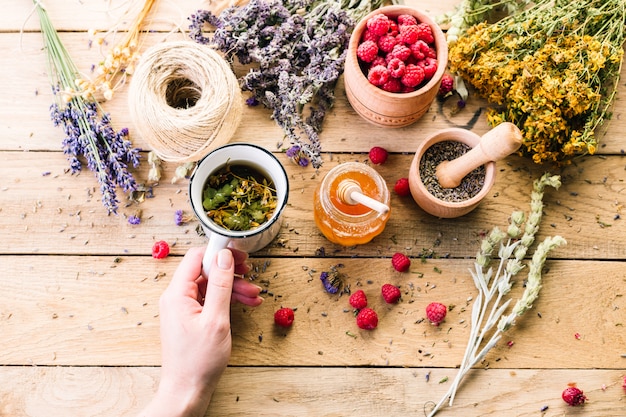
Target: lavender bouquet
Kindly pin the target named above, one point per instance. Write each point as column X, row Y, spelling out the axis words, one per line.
column 299, row 48
column 88, row 129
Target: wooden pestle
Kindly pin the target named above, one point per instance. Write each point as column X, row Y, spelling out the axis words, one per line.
column 498, row 143
column 349, row 191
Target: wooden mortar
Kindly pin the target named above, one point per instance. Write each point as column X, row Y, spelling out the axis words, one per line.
column 499, row 142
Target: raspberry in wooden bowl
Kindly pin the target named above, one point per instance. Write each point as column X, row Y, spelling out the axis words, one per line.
column 396, row 58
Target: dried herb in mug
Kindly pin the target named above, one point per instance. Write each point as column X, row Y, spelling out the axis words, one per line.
column 239, row 197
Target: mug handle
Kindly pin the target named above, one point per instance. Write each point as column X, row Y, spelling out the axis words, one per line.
column 216, row 243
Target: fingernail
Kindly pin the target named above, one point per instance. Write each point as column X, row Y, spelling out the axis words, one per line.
column 224, row 259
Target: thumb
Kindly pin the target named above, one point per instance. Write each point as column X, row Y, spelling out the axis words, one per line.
column 220, row 285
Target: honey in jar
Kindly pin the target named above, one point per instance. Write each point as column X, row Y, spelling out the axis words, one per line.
column 343, row 220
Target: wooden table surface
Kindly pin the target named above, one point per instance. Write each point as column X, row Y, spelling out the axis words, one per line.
column 79, row 290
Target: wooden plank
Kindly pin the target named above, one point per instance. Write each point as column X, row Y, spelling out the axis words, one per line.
column 101, row 311
column 61, row 213
column 29, row 94
column 104, row 15
column 275, row 392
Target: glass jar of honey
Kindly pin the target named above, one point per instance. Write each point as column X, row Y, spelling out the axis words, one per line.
column 346, row 222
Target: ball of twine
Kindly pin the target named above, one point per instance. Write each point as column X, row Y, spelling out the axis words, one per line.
column 184, row 100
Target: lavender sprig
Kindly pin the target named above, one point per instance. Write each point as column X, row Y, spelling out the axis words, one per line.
column 300, row 48
column 88, row 129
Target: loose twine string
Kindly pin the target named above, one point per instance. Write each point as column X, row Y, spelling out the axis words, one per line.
column 184, row 100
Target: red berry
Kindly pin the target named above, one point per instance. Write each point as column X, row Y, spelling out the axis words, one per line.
column 429, row 65
column 390, row 293
column 393, row 85
column 425, row 33
column 419, row 50
column 284, row 317
column 406, row 19
column 396, row 68
column 368, row 35
column 378, row 24
column 358, row 300
column 436, row 312
column 378, row 75
column 413, row 76
column 367, row 319
column 379, row 60
column 409, row 34
column 386, row 43
column 160, row 249
column 400, row 262
column 402, row 52
column 447, row 85
column 393, row 28
column 378, row 155
column 573, row 396
column 367, row 51
column 402, row 187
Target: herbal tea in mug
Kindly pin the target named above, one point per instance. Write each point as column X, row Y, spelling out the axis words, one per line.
column 238, row 192
column 239, row 197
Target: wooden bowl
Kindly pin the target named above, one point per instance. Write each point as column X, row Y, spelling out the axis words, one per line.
column 384, row 108
column 433, row 205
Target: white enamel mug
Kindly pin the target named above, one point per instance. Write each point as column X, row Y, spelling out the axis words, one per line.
column 246, row 240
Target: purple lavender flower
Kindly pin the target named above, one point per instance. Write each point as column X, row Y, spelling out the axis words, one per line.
column 332, row 280
column 134, row 219
column 89, row 135
column 178, row 217
column 299, row 57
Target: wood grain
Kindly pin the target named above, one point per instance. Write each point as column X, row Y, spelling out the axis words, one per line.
column 90, row 311
column 79, row 289
column 328, row 392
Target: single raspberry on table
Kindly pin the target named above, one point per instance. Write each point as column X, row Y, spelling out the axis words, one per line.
column 446, row 86
column 425, row 33
column 284, row 317
column 378, row 75
column 391, row 293
column 378, row 24
column 413, row 75
column 429, row 65
column 358, row 300
column 367, row 51
column 400, row 262
column 378, row 155
column 406, row 19
column 402, row 187
column 573, row 396
column 367, row 319
column 160, row 249
column 436, row 312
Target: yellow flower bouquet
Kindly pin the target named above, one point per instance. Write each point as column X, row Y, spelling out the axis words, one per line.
column 552, row 69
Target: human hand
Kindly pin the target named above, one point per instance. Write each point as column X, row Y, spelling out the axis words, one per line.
column 195, row 330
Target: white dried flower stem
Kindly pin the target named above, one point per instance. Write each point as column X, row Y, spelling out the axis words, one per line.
column 487, row 311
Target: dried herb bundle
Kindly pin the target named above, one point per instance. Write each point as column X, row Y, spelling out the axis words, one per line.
column 488, row 319
column 298, row 48
column 552, row 69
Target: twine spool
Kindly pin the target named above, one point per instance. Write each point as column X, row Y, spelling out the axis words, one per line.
column 184, row 100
